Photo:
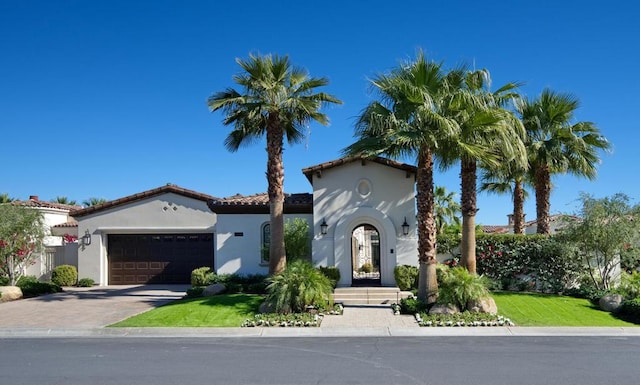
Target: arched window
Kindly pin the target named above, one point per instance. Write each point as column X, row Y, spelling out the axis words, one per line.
column 265, row 243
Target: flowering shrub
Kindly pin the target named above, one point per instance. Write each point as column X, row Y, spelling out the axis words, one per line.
column 21, row 237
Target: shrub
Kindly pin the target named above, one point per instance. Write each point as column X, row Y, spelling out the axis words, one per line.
column 4, row 281
column 297, row 287
column 331, row 272
column 202, row 276
column 412, row 305
column 629, row 285
column 457, row 286
column 86, row 282
column 195, row 292
column 31, row 287
column 630, row 310
column 406, row 277
column 64, row 275
column 366, row 268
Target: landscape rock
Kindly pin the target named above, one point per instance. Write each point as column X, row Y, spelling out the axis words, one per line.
column 10, row 293
column 611, row 302
column 266, row 307
column 215, row 289
column 483, row 305
column 447, row 308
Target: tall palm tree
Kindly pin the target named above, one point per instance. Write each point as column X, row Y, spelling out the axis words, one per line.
column 64, row 201
column 557, row 146
column 446, row 208
column 489, row 134
column 93, row 201
column 5, row 198
column 407, row 121
column 278, row 100
column 508, row 180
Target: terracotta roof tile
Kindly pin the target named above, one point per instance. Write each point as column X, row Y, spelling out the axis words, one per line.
column 259, row 204
column 67, row 224
column 168, row 188
column 45, row 204
column 309, row 172
column 489, row 229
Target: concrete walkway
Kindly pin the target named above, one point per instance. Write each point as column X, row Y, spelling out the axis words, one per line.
column 369, row 316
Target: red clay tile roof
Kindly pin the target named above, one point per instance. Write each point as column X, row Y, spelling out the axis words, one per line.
column 301, row 203
column 169, row 188
column 489, row 229
column 67, row 224
column 45, row 204
column 309, row 172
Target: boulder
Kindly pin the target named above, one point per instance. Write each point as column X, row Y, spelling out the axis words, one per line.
column 610, row 302
column 445, row 308
column 266, row 307
column 483, row 305
column 215, row 289
column 10, row 293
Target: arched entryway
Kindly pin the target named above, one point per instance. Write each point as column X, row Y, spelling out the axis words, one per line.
column 365, row 256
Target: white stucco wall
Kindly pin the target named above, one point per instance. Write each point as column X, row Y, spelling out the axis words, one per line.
column 165, row 213
column 355, row 194
column 242, row 253
column 43, row 263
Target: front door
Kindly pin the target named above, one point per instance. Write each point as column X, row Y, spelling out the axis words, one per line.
column 365, row 256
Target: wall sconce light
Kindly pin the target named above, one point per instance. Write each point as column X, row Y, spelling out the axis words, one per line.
column 86, row 238
column 323, row 227
column 405, row 227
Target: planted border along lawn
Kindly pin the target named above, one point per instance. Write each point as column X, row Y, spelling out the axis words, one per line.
column 227, row 310
column 532, row 309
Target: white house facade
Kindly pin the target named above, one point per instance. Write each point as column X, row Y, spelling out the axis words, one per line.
column 361, row 216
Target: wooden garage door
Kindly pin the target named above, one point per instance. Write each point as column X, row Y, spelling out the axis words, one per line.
column 157, row 258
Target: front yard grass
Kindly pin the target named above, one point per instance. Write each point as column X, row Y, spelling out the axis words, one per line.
column 531, row 309
column 228, row 310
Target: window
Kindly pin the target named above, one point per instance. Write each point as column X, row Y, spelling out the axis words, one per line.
column 266, row 242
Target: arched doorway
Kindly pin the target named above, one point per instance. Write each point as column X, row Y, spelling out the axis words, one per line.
column 365, row 256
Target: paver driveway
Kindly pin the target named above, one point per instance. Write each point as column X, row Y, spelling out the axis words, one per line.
column 86, row 307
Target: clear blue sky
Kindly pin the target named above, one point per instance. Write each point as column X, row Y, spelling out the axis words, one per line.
column 108, row 98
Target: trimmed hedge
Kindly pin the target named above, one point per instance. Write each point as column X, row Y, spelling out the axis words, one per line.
column 406, row 277
column 64, row 275
column 331, row 272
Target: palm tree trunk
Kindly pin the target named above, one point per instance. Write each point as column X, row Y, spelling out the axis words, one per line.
column 518, row 207
column 543, row 192
column 469, row 208
column 275, row 180
column 427, row 279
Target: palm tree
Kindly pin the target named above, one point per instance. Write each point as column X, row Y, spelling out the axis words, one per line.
column 407, row 121
column 507, row 180
column 278, row 100
column 557, row 146
column 93, row 202
column 446, row 209
column 489, row 134
column 64, row 201
column 5, row 198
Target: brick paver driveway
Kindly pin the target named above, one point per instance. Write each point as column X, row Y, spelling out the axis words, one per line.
column 86, row 307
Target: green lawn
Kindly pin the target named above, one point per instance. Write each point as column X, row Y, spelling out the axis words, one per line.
column 528, row 309
column 218, row 311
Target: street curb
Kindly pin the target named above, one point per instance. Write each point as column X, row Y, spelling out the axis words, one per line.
column 317, row 332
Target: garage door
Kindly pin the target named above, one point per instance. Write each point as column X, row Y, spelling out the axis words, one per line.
column 157, row 258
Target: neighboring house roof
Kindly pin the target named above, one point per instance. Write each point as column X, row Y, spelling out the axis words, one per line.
column 316, row 170
column 259, row 204
column 67, row 224
column 168, row 188
column 555, row 218
column 489, row 229
column 44, row 204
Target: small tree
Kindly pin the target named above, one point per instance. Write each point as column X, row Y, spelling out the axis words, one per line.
column 297, row 241
column 610, row 228
column 21, row 236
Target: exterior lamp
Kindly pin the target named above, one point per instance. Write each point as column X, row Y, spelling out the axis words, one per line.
column 405, row 227
column 323, row 227
column 86, row 238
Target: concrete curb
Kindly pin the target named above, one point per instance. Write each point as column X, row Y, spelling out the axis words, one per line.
column 316, row 332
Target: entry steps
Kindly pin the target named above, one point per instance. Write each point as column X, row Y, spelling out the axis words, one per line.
column 369, row 295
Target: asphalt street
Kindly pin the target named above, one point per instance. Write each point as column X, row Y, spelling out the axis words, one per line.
column 350, row 360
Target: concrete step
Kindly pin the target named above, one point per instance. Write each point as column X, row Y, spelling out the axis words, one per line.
column 369, row 295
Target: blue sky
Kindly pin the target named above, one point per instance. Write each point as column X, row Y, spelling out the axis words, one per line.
column 108, row 98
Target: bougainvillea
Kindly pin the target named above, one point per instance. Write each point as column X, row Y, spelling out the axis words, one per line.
column 21, row 236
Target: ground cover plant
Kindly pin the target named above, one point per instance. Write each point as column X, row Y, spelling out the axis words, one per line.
column 535, row 309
